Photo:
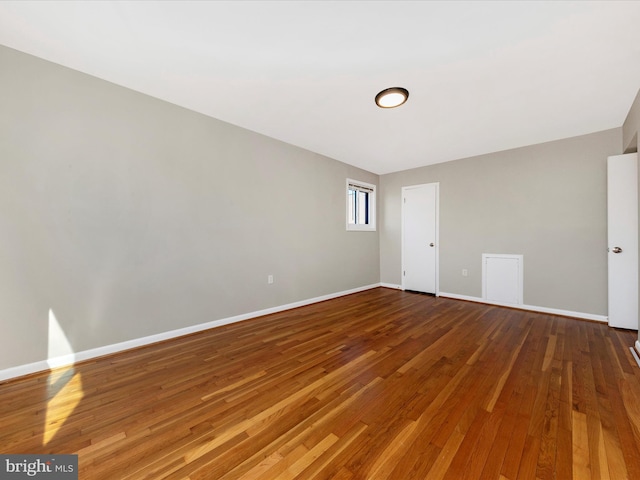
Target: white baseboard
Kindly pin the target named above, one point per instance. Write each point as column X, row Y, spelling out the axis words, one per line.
column 552, row 311
column 69, row 360
column 638, row 347
column 391, row 285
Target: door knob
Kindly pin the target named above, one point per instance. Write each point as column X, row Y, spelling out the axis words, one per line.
column 616, row 250
column 431, row 244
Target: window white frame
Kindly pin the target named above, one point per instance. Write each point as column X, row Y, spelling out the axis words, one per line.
column 370, row 189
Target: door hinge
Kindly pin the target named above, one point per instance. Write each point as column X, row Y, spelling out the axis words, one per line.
column 404, row 273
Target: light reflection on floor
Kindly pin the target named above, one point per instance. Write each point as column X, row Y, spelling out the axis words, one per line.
column 64, row 386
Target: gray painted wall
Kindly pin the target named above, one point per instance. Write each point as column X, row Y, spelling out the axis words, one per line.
column 631, row 127
column 128, row 216
column 546, row 201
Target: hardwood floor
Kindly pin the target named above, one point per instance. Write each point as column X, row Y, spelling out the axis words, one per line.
column 379, row 384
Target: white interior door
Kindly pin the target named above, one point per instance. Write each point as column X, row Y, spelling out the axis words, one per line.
column 420, row 238
column 622, row 220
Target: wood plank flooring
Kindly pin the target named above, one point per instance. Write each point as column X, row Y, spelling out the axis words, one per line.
column 375, row 385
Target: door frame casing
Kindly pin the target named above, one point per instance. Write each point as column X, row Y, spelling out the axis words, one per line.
column 437, row 233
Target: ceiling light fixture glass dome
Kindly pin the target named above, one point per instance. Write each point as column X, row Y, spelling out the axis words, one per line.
column 392, row 97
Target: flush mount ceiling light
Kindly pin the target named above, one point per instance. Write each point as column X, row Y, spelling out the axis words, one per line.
column 392, row 97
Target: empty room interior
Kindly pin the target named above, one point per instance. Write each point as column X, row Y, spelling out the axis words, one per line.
column 226, row 254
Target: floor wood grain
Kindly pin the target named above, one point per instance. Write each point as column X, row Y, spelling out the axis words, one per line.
column 376, row 385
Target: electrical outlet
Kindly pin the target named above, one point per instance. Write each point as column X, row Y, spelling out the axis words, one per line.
column 465, row 272
column 270, row 279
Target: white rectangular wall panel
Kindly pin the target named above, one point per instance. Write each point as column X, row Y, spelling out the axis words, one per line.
column 502, row 277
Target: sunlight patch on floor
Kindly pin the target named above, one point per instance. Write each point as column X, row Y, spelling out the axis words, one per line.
column 63, row 403
column 64, row 384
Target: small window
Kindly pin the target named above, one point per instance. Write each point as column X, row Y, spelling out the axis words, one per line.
column 361, row 206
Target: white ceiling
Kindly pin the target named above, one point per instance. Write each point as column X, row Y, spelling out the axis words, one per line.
column 483, row 76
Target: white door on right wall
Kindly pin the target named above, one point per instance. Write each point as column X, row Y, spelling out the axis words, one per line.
column 622, row 232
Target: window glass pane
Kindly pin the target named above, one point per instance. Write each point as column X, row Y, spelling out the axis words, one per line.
column 363, row 206
column 352, row 207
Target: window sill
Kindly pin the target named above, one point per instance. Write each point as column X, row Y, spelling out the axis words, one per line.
column 361, row 228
